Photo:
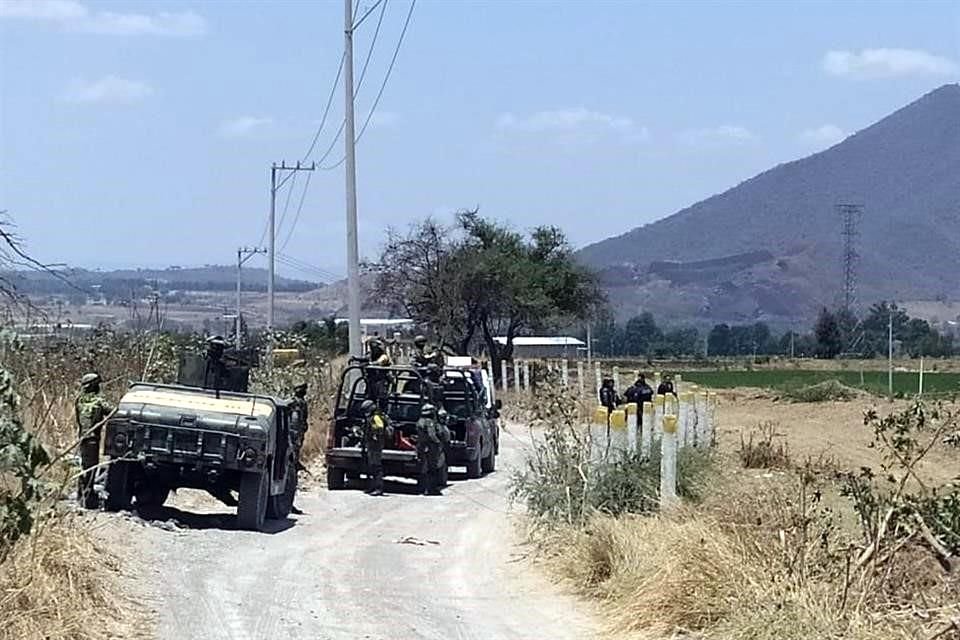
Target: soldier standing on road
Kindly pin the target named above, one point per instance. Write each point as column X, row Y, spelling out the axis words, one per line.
column 91, row 410
column 374, row 435
column 430, row 440
column 298, row 416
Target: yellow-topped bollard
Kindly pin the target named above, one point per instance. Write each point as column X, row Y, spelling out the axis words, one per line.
column 669, row 424
column 600, row 415
column 618, row 419
column 631, row 408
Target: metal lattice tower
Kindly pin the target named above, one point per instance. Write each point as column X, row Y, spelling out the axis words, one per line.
column 850, row 215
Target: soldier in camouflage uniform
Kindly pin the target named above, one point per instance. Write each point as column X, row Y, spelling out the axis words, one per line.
column 431, row 436
column 91, row 411
column 298, row 415
column 375, row 427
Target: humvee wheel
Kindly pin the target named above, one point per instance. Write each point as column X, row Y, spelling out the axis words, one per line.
column 280, row 506
column 151, row 496
column 475, row 467
column 254, row 490
column 119, row 496
column 336, row 479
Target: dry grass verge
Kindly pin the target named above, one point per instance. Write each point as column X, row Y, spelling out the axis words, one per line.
column 60, row 583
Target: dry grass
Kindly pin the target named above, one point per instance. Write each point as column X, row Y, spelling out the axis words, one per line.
column 763, row 558
column 764, row 448
column 61, row 584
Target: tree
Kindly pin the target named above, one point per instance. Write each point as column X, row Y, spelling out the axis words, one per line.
column 481, row 280
column 828, row 335
column 641, row 335
column 719, row 340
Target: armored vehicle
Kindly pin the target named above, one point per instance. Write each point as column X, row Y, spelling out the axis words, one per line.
column 164, row 437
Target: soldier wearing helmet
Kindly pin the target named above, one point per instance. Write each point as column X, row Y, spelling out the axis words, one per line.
column 431, row 436
column 91, row 411
column 375, row 430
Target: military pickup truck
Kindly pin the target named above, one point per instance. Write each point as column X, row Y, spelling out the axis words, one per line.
column 166, row 437
column 472, row 424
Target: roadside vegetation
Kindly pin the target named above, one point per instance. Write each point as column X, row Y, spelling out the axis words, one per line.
column 764, row 547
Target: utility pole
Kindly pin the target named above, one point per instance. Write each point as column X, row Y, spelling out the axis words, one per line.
column 890, row 354
column 243, row 254
column 276, row 170
column 353, row 252
column 589, row 345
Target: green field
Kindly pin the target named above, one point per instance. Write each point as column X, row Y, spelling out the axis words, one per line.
column 904, row 383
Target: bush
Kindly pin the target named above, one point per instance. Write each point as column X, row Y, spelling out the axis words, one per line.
column 764, row 449
column 826, row 391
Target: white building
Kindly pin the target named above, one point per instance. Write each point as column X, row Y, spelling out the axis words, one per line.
column 544, row 347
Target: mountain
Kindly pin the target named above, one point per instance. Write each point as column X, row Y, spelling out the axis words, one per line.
column 771, row 248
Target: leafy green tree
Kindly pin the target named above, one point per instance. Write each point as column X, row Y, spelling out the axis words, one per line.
column 719, row 341
column 828, row 335
column 641, row 335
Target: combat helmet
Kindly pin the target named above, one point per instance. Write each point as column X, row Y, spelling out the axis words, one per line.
column 427, row 410
column 420, row 340
column 367, row 407
column 89, row 380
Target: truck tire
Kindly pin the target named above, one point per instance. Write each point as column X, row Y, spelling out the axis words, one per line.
column 254, row 490
column 336, row 479
column 475, row 467
column 280, row 506
column 489, row 464
column 149, row 495
column 119, row 494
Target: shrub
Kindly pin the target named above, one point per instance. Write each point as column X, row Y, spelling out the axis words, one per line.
column 764, row 449
column 826, row 391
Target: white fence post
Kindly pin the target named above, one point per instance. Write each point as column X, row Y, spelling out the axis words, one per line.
column 616, row 379
column 516, row 376
column 565, row 372
column 596, row 389
column 504, row 379
column 526, row 375
column 646, row 429
column 580, row 380
column 711, row 419
column 656, row 381
column 493, row 385
column 668, row 463
column 678, row 383
column 632, row 417
column 658, row 413
column 685, row 429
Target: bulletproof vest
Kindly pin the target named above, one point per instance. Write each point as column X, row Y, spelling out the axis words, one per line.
column 91, row 410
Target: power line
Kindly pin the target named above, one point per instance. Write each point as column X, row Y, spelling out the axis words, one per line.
column 307, row 267
column 363, row 74
column 366, row 13
column 383, row 86
column 286, row 202
column 296, row 218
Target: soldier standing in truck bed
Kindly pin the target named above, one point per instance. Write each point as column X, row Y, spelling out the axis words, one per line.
column 91, row 411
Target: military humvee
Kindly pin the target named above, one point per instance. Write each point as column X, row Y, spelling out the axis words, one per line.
column 220, row 439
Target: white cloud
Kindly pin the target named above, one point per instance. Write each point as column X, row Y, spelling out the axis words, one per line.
column 727, row 134
column 244, row 126
column 887, row 63
column 76, row 16
column 108, row 89
column 565, row 120
column 823, row 136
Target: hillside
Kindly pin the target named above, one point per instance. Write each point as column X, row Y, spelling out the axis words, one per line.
column 770, row 247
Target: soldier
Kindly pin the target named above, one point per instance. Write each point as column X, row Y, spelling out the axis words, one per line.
column 608, row 394
column 374, row 435
column 377, row 381
column 639, row 392
column 430, row 440
column 666, row 387
column 215, row 372
column 298, row 415
column 91, row 410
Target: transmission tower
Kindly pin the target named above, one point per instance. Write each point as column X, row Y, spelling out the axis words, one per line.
column 850, row 215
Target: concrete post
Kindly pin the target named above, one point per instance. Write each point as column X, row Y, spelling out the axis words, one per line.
column 646, row 430
column 700, row 411
column 526, row 375
column 656, row 381
column 683, row 421
column 659, row 405
column 565, row 372
column 616, row 379
column 711, row 431
column 580, row 381
column 668, row 463
column 493, row 385
column 596, row 388
column 516, row 376
column 678, row 383
column 632, row 417
column 504, row 379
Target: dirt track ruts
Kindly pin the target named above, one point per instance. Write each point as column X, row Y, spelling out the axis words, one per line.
column 353, row 566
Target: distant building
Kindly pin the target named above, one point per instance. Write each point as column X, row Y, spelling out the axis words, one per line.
column 537, row 347
column 383, row 327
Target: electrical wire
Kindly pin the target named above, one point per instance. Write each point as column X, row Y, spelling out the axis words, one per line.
column 383, row 86
column 296, row 217
column 306, row 267
column 286, row 203
column 363, row 74
column 364, row 16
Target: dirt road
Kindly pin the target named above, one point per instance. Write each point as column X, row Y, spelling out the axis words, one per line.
column 353, row 566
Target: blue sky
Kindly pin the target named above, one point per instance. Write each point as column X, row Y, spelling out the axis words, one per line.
column 141, row 133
